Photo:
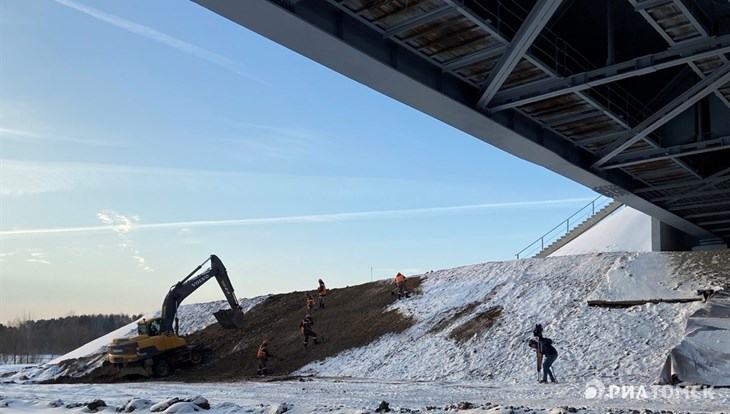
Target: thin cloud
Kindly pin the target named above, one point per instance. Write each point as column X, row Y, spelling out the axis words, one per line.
column 24, row 135
column 316, row 218
column 37, row 256
column 21, row 178
column 273, row 141
column 123, row 225
column 162, row 38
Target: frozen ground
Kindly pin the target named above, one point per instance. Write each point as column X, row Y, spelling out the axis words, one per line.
column 348, row 395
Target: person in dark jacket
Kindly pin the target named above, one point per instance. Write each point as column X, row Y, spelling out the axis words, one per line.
column 262, row 355
column 310, row 302
column 544, row 347
column 306, row 327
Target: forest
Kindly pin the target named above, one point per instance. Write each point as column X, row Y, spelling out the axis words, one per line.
column 29, row 341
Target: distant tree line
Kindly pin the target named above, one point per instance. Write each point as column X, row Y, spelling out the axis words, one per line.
column 25, row 340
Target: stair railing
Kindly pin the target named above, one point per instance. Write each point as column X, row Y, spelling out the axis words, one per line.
column 577, row 218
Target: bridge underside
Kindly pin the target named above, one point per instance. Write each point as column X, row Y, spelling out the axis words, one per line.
column 628, row 97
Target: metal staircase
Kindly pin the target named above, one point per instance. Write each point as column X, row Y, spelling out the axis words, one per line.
column 570, row 228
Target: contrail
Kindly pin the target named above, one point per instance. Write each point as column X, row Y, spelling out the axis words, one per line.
column 316, row 218
column 160, row 37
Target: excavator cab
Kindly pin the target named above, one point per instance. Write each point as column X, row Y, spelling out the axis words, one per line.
column 150, row 327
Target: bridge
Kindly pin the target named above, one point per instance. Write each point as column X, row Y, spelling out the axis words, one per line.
column 630, row 98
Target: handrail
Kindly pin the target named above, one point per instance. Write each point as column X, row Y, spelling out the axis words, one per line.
column 565, row 225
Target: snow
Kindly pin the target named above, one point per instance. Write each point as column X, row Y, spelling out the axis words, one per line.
column 627, row 230
column 353, row 395
column 644, row 277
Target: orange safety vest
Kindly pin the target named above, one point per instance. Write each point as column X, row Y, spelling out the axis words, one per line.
column 399, row 278
column 261, row 354
column 322, row 290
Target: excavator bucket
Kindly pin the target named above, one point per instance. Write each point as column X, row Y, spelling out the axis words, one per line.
column 230, row 318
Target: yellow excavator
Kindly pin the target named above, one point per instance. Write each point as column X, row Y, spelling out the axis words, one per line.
column 157, row 349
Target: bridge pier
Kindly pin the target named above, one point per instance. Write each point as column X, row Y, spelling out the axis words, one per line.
column 665, row 238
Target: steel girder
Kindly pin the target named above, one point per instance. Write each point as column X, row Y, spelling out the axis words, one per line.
column 698, row 91
column 541, row 90
column 387, row 66
column 531, row 27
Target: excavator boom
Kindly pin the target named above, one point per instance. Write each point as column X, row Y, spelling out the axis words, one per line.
column 228, row 318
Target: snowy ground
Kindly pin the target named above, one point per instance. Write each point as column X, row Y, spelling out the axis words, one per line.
column 361, row 395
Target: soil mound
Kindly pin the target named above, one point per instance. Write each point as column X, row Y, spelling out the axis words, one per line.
column 352, row 317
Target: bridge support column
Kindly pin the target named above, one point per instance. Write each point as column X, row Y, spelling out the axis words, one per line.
column 665, row 238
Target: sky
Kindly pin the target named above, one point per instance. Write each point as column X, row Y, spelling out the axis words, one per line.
column 137, row 138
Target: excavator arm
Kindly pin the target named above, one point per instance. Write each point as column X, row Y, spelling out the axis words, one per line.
column 228, row 318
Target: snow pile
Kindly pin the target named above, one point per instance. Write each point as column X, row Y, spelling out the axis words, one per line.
column 646, row 277
column 627, row 230
column 193, row 317
column 621, row 344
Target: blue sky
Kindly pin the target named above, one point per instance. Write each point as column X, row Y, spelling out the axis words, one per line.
column 139, row 137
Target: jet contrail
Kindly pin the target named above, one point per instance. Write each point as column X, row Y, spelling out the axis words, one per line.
column 316, row 218
column 160, row 37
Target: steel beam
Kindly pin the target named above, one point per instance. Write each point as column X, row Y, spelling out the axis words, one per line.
column 648, row 4
column 709, row 185
column 700, row 204
column 657, row 154
column 693, row 183
column 573, row 118
column 698, row 91
column 541, row 90
column 700, row 31
column 691, row 17
column 706, row 193
column 714, row 222
column 531, row 27
column 420, row 20
column 473, row 58
column 713, row 214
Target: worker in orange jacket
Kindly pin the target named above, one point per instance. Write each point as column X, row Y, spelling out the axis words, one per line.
column 322, row 292
column 400, row 285
column 262, row 355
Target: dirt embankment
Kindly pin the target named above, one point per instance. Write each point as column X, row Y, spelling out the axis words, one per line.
column 353, row 317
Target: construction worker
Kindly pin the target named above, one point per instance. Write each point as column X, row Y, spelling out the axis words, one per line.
column 262, row 355
column 310, row 302
column 544, row 347
column 322, row 292
column 306, row 328
column 400, row 285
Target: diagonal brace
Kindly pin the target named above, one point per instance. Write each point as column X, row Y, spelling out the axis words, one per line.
column 526, row 35
column 698, row 91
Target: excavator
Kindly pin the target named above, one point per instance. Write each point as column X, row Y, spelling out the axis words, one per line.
column 157, row 349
